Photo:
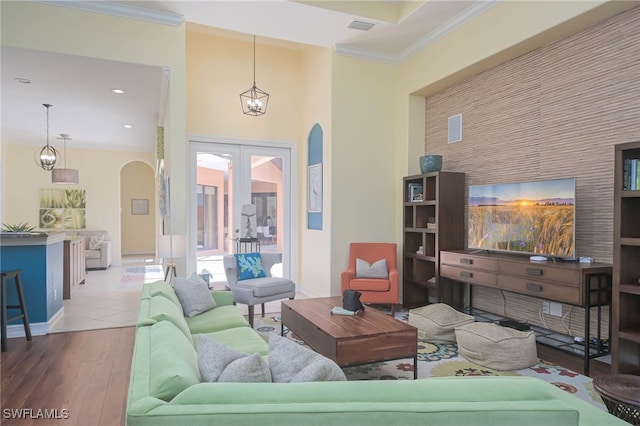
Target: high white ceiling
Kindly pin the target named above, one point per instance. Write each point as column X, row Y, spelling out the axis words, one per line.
column 79, row 88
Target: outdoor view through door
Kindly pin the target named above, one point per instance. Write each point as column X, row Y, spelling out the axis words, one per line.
column 227, row 178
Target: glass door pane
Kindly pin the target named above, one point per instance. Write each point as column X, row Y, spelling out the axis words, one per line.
column 266, row 195
column 212, row 195
column 226, row 177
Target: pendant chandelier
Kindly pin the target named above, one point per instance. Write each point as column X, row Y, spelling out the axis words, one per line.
column 254, row 101
column 65, row 176
column 47, row 156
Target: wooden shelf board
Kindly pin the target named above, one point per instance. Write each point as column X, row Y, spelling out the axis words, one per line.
column 630, row 241
column 630, row 288
column 631, row 335
column 628, row 193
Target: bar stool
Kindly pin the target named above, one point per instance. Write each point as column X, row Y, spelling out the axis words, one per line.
column 15, row 274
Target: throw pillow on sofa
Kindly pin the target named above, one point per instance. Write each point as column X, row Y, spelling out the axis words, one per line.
column 220, row 363
column 195, row 297
column 291, row 362
column 95, row 241
column 377, row 269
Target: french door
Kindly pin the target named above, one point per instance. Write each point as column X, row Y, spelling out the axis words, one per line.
column 225, row 178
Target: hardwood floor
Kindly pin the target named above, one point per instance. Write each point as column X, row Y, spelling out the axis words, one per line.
column 79, row 378
column 85, row 375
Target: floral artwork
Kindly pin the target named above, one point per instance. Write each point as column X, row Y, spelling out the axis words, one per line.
column 62, row 209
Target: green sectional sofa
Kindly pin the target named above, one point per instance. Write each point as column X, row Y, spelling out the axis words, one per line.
column 166, row 389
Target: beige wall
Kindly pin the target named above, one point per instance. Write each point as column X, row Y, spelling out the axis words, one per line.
column 63, row 30
column 99, row 172
column 139, row 231
column 220, row 68
column 363, row 158
column 315, row 244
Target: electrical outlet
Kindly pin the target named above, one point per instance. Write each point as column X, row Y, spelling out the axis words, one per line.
column 55, row 294
column 550, row 308
column 555, row 309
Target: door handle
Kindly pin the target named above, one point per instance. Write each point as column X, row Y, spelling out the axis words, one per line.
column 466, row 261
column 466, row 274
column 534, row 271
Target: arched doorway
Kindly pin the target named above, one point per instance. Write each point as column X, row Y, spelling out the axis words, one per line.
column 138, row 213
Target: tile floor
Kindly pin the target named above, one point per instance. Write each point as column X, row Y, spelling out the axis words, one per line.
column 106, row 300
column 103, row 301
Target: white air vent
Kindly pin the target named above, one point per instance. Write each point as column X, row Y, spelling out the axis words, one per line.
column 361, row 25
column 455, row 129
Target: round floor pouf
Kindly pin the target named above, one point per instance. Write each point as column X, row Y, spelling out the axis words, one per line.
column 496, row 347
column 436, row 322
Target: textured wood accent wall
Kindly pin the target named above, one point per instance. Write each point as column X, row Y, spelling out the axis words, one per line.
column 552, row 113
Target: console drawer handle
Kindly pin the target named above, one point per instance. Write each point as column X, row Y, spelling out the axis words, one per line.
column 466, row 274
column 534, row 271
column 466, row 261
column 534, row 287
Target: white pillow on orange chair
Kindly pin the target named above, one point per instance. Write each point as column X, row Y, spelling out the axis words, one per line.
column 377, row 269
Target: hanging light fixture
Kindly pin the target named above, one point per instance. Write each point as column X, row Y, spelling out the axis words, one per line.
column 47, row 156
column 254, row 101
column 64, row 176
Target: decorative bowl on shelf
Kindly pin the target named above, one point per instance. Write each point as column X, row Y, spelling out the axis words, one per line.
column 430, row 163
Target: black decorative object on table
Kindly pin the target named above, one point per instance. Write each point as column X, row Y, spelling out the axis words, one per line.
column 351, row 301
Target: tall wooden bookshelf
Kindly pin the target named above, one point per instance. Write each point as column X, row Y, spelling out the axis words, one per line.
column 434, row 220
column 626, row 262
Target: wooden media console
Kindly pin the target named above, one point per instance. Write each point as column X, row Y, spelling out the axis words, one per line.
column 585, row 285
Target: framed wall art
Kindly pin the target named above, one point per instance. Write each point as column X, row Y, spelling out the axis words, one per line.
column 139, row 206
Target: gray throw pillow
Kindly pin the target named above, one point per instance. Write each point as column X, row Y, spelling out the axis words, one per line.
column 291, row 362
column 194, row 295
column 377, row 269
column 249, row 369
column 220, row 363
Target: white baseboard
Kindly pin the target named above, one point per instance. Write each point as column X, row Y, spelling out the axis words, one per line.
column 37, row 328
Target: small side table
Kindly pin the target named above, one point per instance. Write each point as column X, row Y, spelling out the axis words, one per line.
column 621, row 395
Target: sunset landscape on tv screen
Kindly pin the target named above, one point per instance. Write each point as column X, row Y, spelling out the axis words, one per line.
column 528, row 217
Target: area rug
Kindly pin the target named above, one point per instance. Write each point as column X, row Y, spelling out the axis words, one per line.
column 138, row 275
column 443, row 359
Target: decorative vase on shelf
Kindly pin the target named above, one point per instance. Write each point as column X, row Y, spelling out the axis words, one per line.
column 430, row 163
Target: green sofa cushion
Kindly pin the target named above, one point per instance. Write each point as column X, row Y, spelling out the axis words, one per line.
column 220, row 318
column 222, row 297
column 160, row 288
column 487, row 401
column 242, row 339
column 173, row 362
column 159, row 308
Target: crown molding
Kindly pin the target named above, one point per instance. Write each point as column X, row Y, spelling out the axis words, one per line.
column 476, row 9
column 371, row 55
column 457, row 21
column 121, row 10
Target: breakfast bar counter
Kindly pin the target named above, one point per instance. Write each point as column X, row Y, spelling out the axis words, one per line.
column 40, row 257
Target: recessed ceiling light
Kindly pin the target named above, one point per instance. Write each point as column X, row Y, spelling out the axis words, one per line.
column 118, row 91
column 22, row 80
column 128, row 126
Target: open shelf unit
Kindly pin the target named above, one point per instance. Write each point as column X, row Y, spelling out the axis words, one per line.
column 626, row 264
column 434, row 220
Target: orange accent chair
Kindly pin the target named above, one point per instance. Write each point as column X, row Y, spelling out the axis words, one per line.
column 374, row 290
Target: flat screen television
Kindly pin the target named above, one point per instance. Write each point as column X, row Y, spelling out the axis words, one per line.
column 527, row 217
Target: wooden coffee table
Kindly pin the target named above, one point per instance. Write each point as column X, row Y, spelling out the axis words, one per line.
column 368, row 337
